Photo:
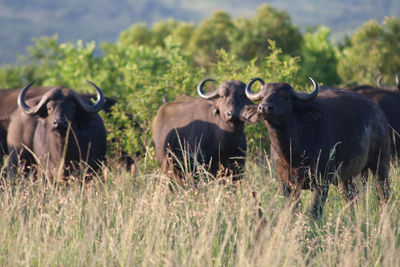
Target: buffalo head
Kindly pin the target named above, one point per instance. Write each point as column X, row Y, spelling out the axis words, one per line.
column 279, row 102
column 61, row 107
column 228, row 99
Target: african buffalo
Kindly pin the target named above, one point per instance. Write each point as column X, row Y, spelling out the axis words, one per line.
column 207, row 130
column 395, row 88
column 389, row 102
column 8, row 104
column 58, row 125
column 322, row 138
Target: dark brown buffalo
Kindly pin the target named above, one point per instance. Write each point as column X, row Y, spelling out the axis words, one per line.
column 389, row 102
column 8, row 104
column 395, row 88
column 58, row 125
column 207, row 128
column 322, row 138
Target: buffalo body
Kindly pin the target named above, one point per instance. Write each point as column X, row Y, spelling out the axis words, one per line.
column 205, row 130
column 322, row 138
column 60, row 128
column 389, row 102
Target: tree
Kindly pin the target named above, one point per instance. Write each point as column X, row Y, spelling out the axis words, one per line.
column 319, row 57
column 211, row 35
column 374, row 50
column 137, row 34
column 268, row 24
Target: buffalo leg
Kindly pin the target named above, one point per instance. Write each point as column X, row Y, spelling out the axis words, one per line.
column 319, row 196
column 382, row 183
column 12, row 163
column 286, row 191
column 293, row 195
column 364, row 179
column 169, row 169
column 348, row 189
column 381, row 168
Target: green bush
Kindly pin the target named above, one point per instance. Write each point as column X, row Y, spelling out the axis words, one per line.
column 319, row 57
column 374, row 49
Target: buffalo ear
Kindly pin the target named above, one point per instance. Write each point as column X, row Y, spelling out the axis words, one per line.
column 308, row 115
column 214, row 107
column 249, row 114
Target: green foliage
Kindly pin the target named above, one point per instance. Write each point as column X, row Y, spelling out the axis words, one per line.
column 279, row 67
column 245, row 38
column 10, row 77
column 319, row 57
column 374, row 49
column 268, row 24
column 137, row 34
column 211, row 34
column 145, row 76
column 50, row 63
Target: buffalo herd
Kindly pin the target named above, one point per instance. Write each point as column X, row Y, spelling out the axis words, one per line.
column 328, row 136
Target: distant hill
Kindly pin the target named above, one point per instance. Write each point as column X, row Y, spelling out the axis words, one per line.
column 101, row 21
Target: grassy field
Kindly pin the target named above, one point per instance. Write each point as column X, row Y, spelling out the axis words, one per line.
column 121, row 220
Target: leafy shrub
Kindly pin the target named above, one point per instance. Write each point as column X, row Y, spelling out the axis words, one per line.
column 319, row 57
column 374, row 49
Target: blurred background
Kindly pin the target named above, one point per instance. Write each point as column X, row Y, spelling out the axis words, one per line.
column 102, row 21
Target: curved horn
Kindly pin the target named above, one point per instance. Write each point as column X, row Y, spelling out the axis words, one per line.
column 201, row 92
column 249, row 93
column 27, row 109
column 307, row 97
column 379, row 80
column 396, row 77
column 96, row 107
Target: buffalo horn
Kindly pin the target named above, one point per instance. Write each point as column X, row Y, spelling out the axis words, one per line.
column 96, row 107
column 249, row 93
column 27, row 109
column 200, row 89
column 306, row 97
column 379, row 80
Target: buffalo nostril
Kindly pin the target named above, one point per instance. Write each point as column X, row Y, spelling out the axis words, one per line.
column 60, row 124
column 261, row 108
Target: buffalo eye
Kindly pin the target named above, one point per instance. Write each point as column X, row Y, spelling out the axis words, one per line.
column 49, row 107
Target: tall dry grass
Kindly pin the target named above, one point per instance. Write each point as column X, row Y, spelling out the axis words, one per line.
column 119, row 220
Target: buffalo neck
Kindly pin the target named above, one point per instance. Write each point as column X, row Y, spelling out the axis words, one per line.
column 60, row 144
column 286, row 141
